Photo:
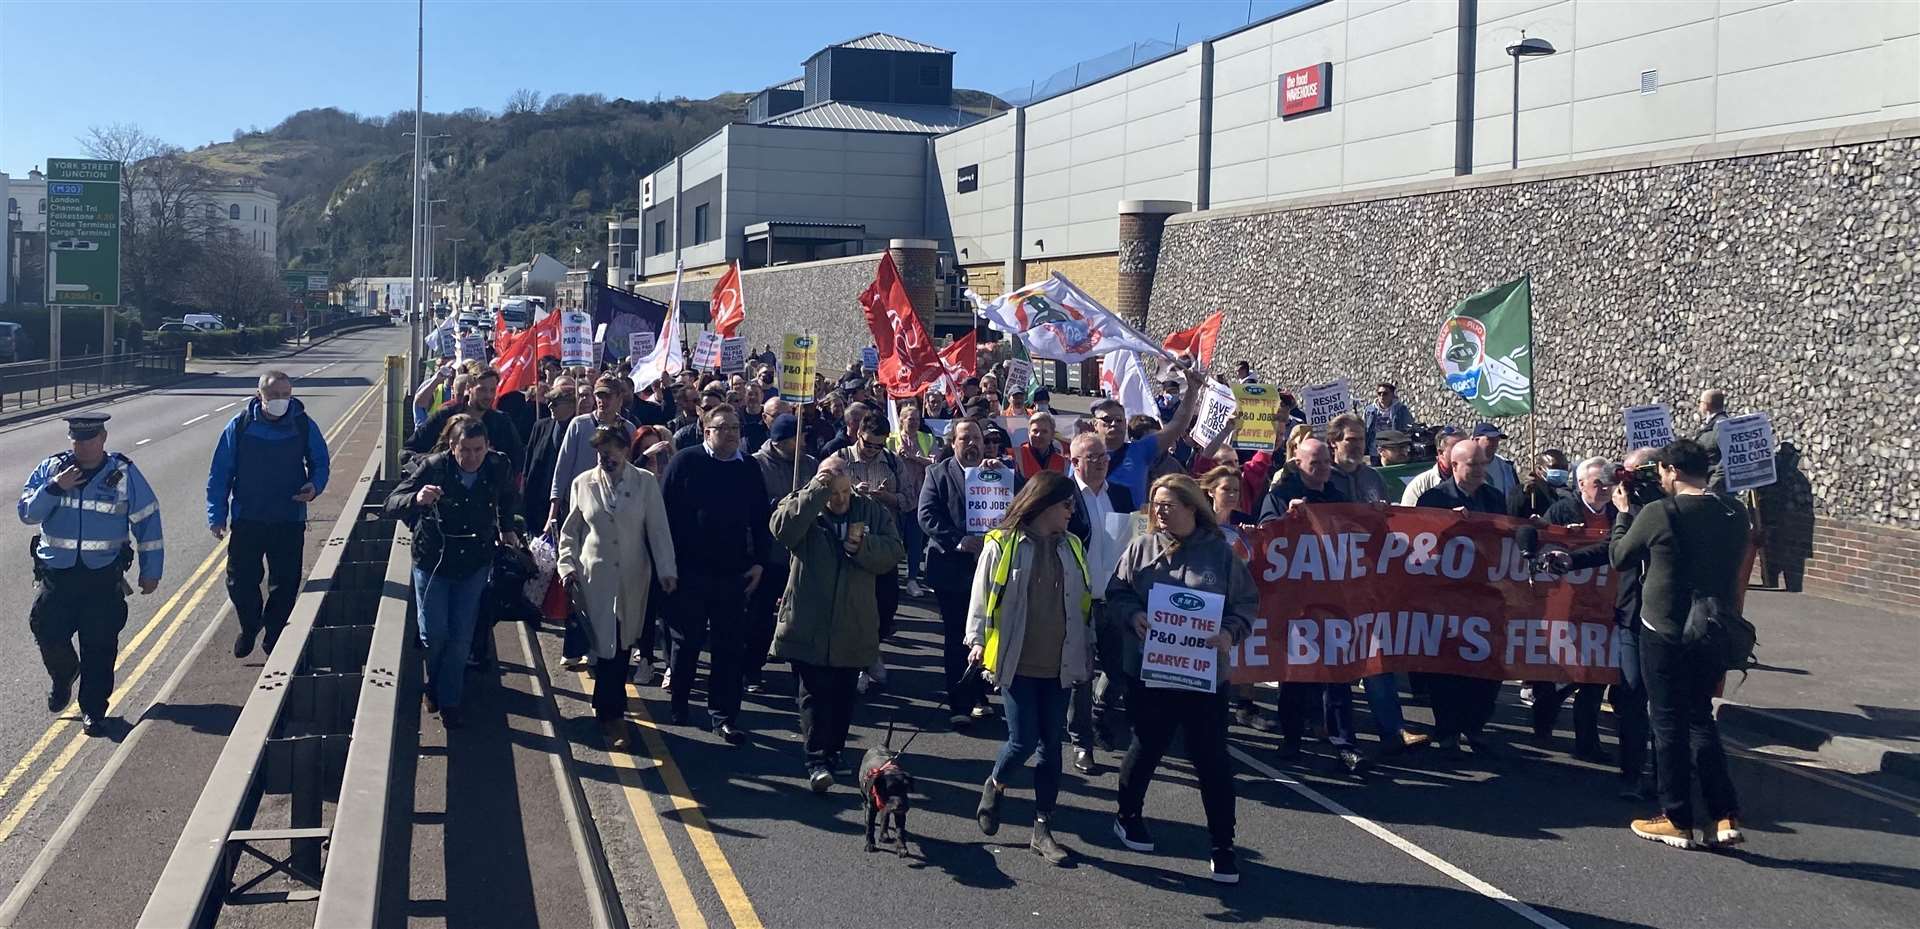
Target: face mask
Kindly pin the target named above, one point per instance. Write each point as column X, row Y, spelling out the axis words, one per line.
column 277, row 408
column 1557, row 477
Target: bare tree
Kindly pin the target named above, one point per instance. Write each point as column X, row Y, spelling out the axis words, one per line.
column 232, row 279
column 164, row 214
column 522, row 101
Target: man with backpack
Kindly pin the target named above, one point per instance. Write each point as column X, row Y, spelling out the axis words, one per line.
column 270, row 462
column 1691, row 545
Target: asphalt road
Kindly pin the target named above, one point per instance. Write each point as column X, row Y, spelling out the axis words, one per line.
column 1438, row 840
column 170, row 435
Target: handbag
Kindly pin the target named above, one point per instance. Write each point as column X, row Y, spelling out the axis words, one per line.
column 1714, row 627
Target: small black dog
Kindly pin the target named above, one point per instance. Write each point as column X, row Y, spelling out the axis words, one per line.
column 886, row 790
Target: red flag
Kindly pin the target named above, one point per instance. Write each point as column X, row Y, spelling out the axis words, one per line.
column 908, row 360
column 729, row 303
column 499, row 322
column 546, row 336
column 1197, row 341
column 518, row 366
column 962, row 357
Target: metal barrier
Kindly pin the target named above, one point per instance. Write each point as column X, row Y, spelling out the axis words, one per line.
column 316, row 736
column 349, row 324
column 35, row 383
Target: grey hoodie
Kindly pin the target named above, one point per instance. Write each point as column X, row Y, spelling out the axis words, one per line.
column 1204, row 561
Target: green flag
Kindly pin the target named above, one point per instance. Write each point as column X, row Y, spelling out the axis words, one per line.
column 1485, row 350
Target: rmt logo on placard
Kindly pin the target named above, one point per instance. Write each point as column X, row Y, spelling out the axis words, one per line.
column 1187, row 601
column 990, row 476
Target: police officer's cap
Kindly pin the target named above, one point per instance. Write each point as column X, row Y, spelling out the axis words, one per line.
column 86, row 425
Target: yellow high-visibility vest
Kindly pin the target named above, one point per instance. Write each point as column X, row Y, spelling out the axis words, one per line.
column 1009, row 541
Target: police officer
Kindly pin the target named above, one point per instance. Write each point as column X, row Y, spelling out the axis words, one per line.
column 87, row 503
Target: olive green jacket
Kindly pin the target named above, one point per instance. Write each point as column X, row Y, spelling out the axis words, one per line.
column 829, row 615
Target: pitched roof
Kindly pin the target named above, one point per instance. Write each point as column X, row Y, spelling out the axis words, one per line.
column 878, row 117
column 798, row 83
column 880, row 41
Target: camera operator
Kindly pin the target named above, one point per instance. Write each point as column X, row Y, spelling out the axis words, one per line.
column 1641, row 484
column 1689, row 545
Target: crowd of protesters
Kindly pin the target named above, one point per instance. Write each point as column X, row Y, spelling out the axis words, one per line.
column 705, row 513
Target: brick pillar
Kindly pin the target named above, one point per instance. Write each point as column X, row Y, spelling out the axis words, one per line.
column 917, row 261
column 1142, row 223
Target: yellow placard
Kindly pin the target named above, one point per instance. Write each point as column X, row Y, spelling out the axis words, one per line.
column 1259, row 416
column 799, row 355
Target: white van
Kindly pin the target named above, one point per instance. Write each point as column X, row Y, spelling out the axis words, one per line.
column 203, row 321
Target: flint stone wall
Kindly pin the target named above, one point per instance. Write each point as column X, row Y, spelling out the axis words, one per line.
column 1780, row 270
column 819, row 297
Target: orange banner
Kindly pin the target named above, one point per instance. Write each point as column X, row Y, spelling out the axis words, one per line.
column 1350, row 590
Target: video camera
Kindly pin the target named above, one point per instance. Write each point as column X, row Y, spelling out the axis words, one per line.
column 1642, row 483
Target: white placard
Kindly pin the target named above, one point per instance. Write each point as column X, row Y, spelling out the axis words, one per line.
column 473, row 347
column 639, row 345
column 1648, row 426
column 706, row 352
column 869, row 359
column 1746, row 451
column 989, row 496
column 576, row 338
column 733, row 354
column 1217, row 406
column 1324, row 402
column 1179, row 623
column 1019, row 375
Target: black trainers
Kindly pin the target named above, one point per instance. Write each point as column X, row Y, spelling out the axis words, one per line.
column 988, row 815
column 1226, row 870
column 1132, row 832
column 243, row 643
column 820, row 779
column 60, row 695
column 94, row 725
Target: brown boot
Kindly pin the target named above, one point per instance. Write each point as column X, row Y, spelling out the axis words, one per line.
column 1661, row 829
column 1726, row 833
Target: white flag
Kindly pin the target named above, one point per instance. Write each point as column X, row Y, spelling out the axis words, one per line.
column 1122, row 378
column 668, row 357
column 1057, row 320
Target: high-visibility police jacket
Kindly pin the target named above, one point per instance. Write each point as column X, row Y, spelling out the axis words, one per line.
column 997, row 611
column 93, row 521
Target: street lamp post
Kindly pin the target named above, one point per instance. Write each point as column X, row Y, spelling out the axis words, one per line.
column 1525, row 48
column 453, row 245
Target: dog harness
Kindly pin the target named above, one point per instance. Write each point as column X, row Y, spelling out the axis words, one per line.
column 873, row 780
column 1009, row 542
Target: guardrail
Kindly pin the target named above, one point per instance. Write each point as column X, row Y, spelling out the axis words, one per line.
column 301, row 788
column 36, row 383
column 349, row 324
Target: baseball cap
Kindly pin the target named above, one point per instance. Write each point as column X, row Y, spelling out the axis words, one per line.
column 1392, row 437
column 1487, row 430
column 784, row 427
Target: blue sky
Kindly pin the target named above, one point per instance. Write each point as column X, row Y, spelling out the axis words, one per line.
column 193, row 72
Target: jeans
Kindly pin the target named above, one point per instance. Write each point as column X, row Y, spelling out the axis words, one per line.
column 1686, row 742
column 826, row 697
column 1383, row 701
column 84, row 603
column 279, row 546
column 447, row 607
column 963, row 689
column 1629, row 699
column 916, row 542
column 610, row 686
column 709, row 613
column 1298, row 701
column 1036, row 714
column 1157, row 714
column 762, row 618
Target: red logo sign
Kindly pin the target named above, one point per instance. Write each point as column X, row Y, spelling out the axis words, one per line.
column 1306, row 90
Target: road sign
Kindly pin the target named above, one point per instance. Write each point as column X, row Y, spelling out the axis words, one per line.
column 83, row 232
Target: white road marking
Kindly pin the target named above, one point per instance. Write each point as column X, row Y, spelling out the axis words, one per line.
column 320, row 369
column 141, row 442
column 1416, row 852
column 196, row 419
column 227, row 407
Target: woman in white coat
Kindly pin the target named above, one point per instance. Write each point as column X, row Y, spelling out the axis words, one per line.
column 612, row 542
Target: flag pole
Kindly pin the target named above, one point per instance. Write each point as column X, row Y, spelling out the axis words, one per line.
column 800, row 429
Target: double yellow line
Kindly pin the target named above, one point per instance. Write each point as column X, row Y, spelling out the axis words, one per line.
column 206, row 578
column 673, row 880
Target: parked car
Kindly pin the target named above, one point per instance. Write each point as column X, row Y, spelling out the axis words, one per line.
column 206, row 321
column 178, row 327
